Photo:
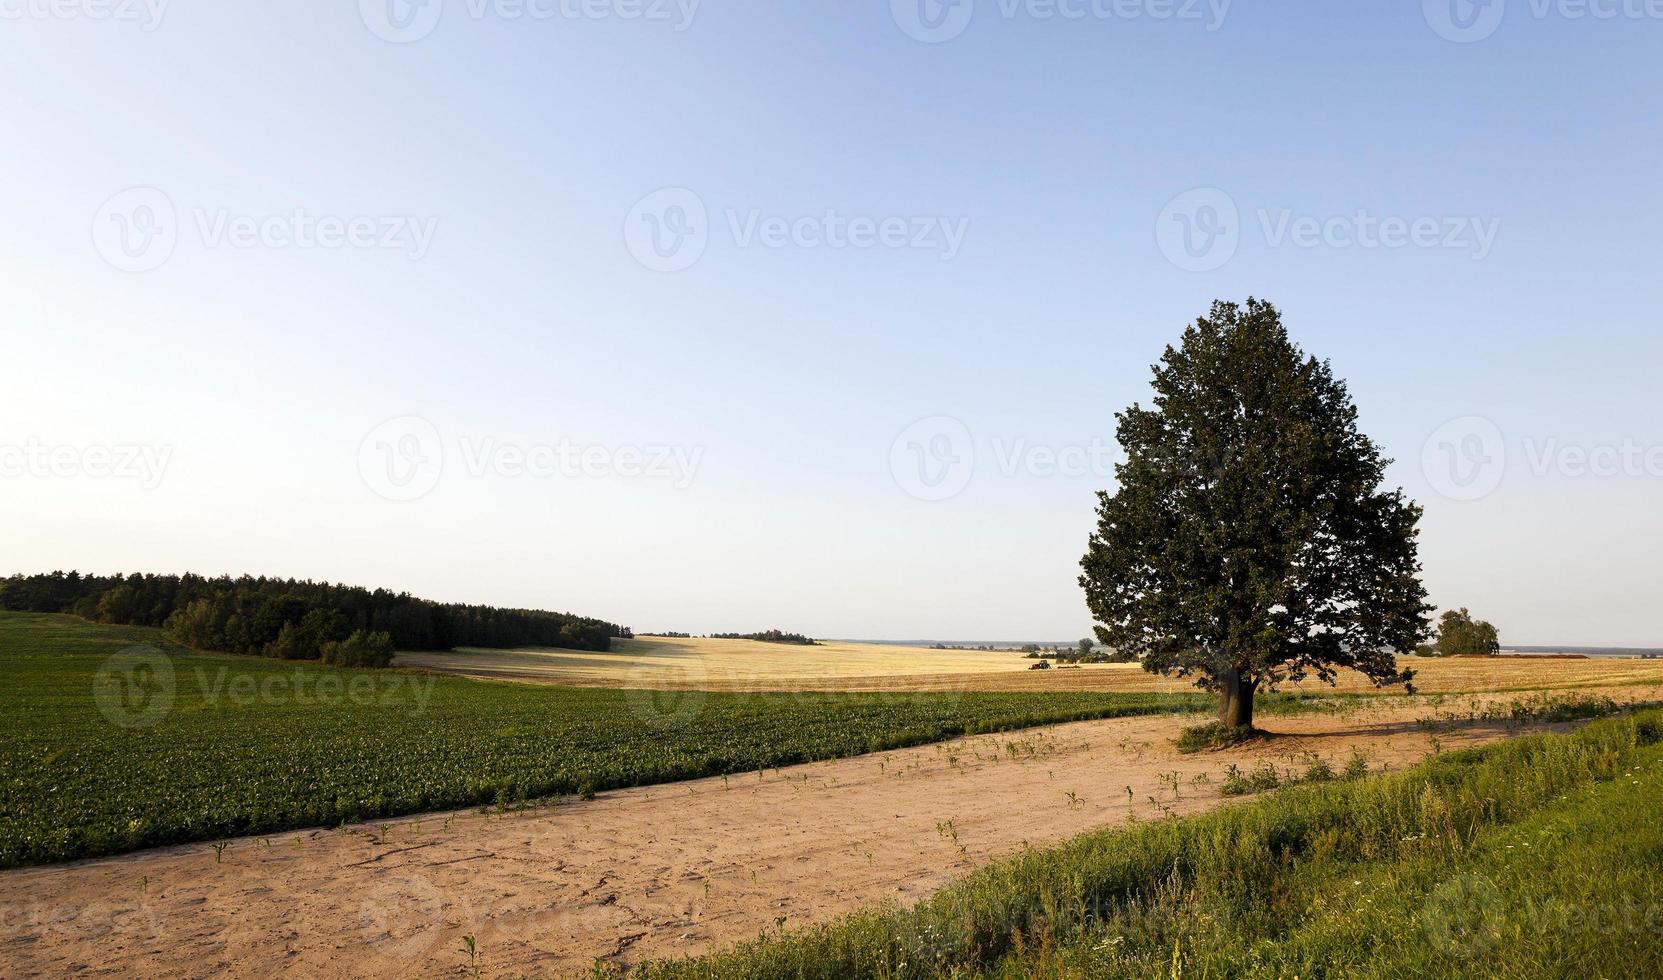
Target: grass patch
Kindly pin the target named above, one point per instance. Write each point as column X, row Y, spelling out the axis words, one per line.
column 1562, row 707
column 1215, row 735
column 102, row 755
column 1478, row 862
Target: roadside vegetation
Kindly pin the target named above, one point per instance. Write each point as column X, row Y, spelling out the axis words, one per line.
column 112, row 740
column 1214, row 735
column 1522, row 858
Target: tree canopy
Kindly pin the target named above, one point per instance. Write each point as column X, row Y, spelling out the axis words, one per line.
column 1249, row 541
column 1460, row 635
column 293, row 619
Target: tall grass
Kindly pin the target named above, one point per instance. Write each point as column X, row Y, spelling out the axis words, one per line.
column 1125, row 901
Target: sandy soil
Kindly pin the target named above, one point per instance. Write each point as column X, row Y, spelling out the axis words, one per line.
column 657, row 871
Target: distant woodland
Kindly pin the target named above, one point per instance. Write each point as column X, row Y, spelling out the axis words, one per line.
column 296, row 620
column 769, row 636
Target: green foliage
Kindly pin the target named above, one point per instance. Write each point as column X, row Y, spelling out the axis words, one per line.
column 1319, row 771
column 1345, row 878
column 1216, row 735
column 769, row 636
column 1249, row 541
column 1235, row 783
column 1459, row 635
column 364, row 648
column 1562, row 707
column 251, row 746
column 307, row 639
column 247, row 614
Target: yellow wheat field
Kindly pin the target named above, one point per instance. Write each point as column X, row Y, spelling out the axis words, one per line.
column 748, row 665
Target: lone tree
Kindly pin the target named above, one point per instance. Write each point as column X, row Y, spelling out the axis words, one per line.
column 1459, row 635
column 1249, row 541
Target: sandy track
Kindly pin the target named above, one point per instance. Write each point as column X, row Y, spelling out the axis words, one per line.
column 656, row 871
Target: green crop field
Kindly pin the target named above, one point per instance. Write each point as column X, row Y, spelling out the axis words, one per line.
column 1536, row 857
column 111, row 741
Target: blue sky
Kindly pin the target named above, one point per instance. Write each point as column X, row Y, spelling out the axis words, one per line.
column 749, row 419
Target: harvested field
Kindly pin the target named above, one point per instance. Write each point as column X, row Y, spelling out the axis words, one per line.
column 745, row 665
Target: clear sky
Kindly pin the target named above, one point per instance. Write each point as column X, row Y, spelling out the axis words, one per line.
column 810, row 315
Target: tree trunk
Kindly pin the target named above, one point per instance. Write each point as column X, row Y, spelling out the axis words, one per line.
column 1235, row 699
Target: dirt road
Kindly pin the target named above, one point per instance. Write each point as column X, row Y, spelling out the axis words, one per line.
column 650, row 872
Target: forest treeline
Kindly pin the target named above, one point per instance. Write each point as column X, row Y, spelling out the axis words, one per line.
column 769, row 636
column 296, row 620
